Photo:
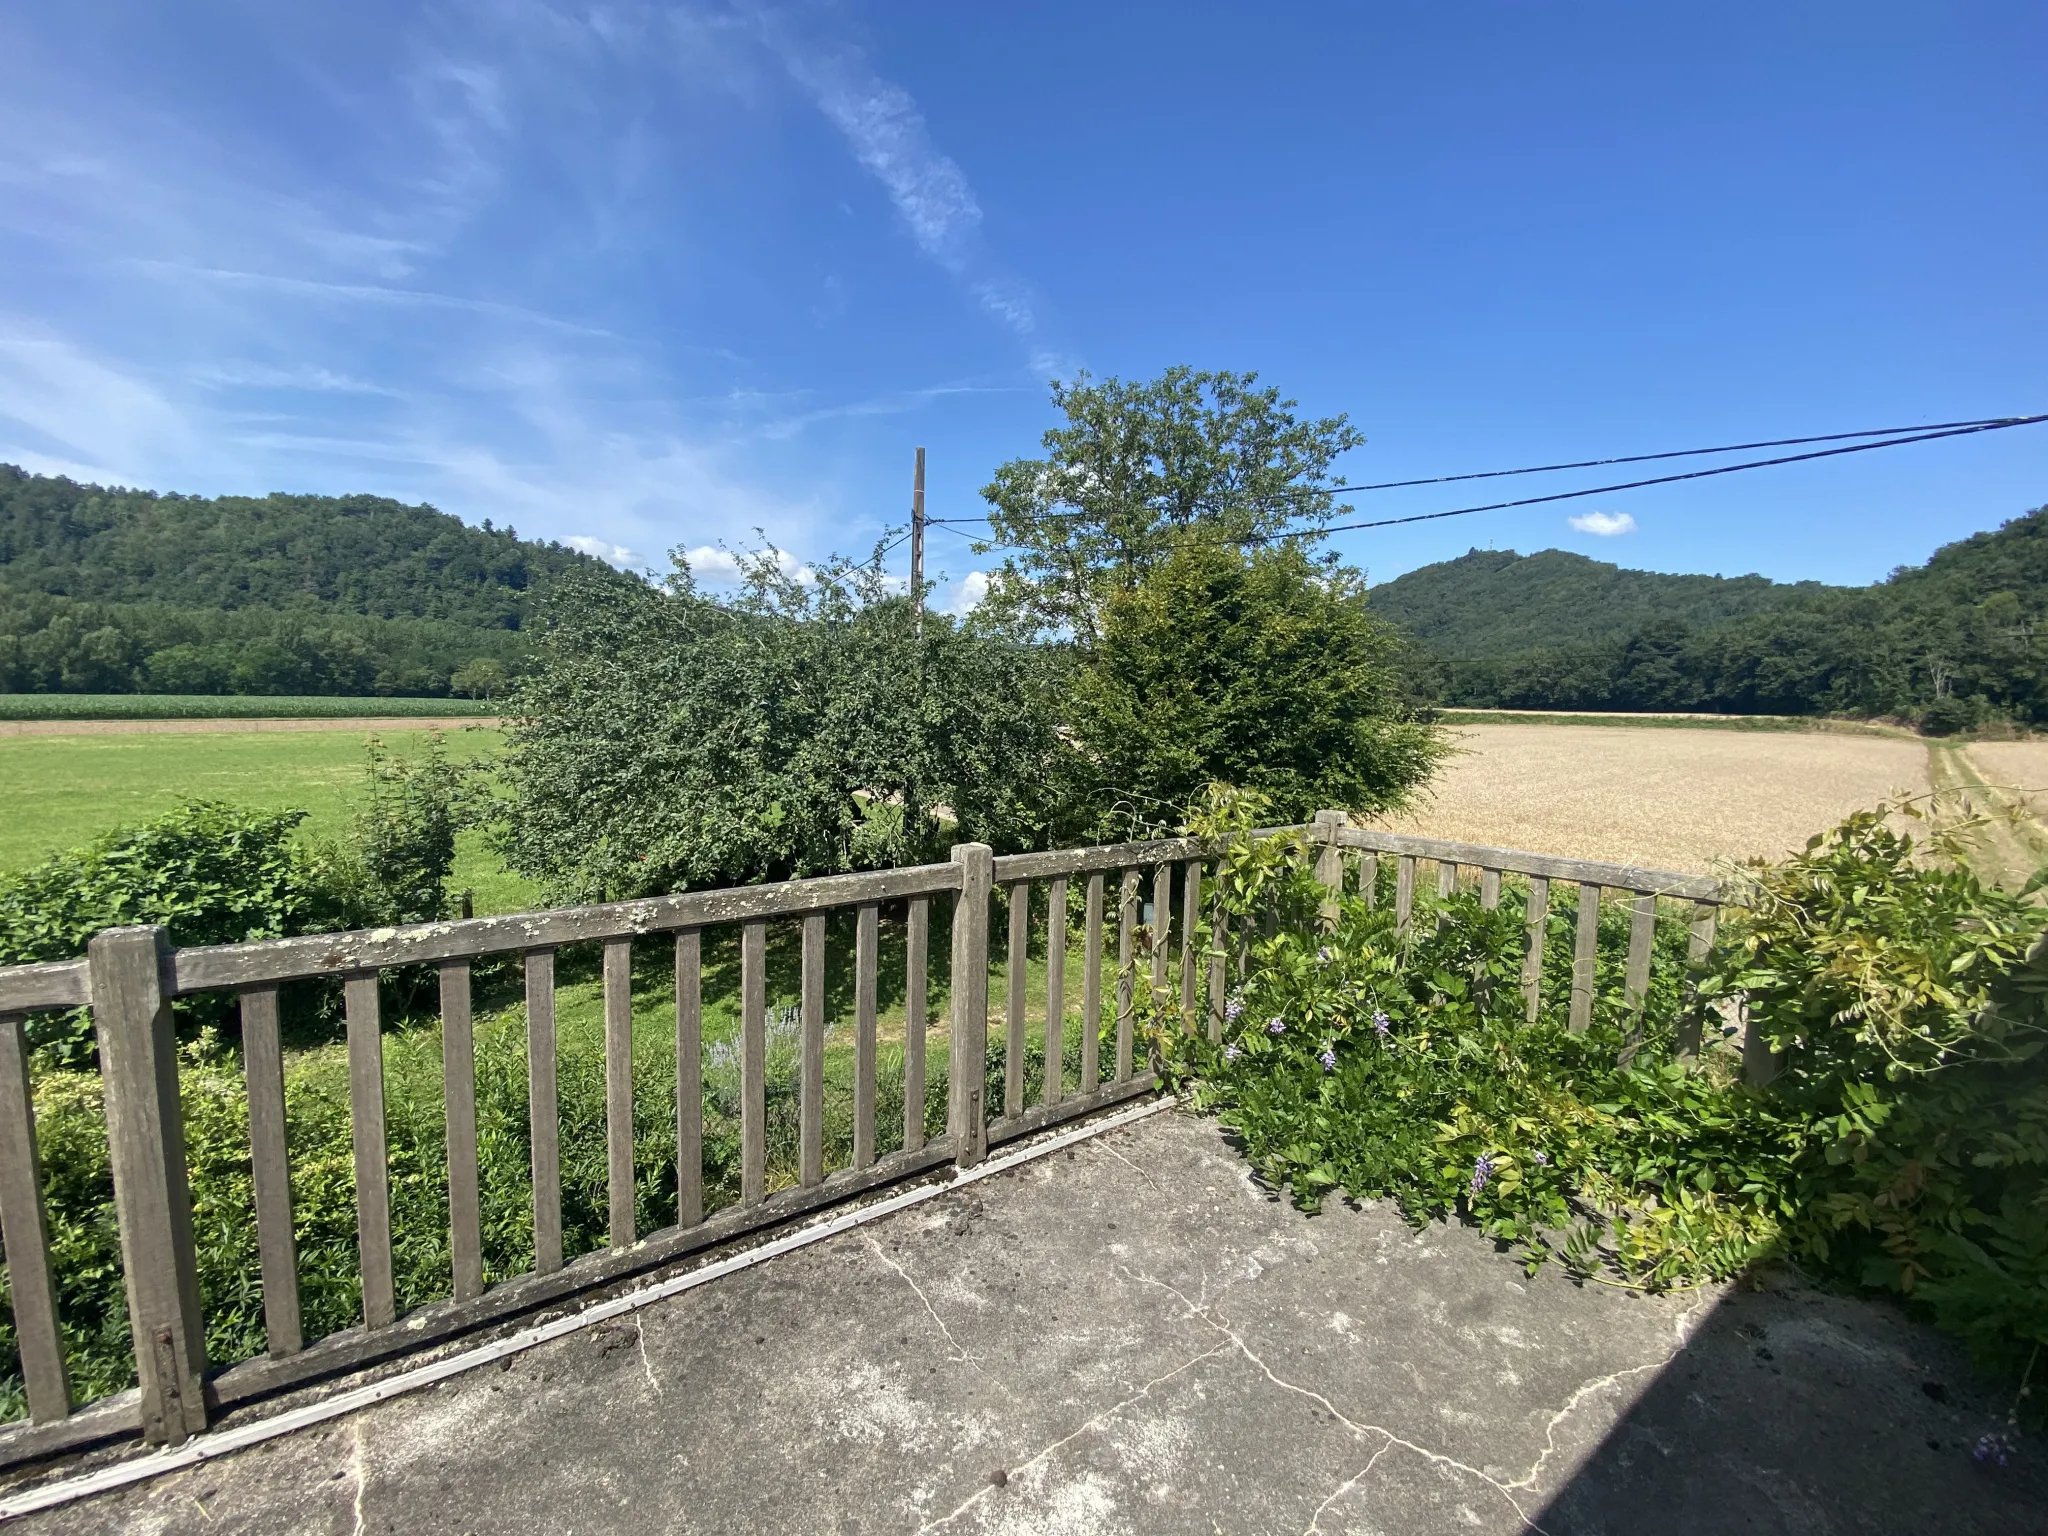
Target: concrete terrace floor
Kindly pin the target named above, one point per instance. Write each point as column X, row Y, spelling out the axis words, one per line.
column 1130, row 1335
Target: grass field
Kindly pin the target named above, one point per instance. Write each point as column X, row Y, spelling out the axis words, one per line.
column 207, row 706
column 57, row 792
column 1660, row 796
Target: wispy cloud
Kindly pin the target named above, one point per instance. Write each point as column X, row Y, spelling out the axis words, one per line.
column 889, row 137
column 1605, row 525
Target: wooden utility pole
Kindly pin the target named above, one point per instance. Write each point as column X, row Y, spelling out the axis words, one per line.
column 917, row 542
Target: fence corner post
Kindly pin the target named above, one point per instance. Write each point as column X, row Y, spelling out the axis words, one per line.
column 1329, row 861
column 152, row 1195
column 967, row 1045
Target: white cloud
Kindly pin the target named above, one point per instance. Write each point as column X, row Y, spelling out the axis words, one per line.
column 1604, row 525
column 613, row 554
column 968, row 594
column 712, row 563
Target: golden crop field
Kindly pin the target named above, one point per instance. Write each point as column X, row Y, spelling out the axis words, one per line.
column 2020, row 767
column 1664, row 797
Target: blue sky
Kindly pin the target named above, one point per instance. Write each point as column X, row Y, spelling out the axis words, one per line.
column 658, row 275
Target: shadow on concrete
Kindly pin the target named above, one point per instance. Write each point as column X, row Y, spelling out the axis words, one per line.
column 1791, row 1409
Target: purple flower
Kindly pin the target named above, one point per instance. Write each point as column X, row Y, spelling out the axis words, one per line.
column 1324, row 955
column 1328, row 1058
column 1232, row 1007
column 1276, row 1026
column 1540, row 1159
column 1993, row 1449
column 1381, row 1023
column 1482, row 1170
column 1231, row 1051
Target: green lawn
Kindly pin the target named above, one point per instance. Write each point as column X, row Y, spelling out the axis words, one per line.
column 231, row 706
column 57, row 792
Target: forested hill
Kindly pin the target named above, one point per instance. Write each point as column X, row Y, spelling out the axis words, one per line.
column 1960, row 640
column 356, row 554
column 109, row 590
column 1499, row 603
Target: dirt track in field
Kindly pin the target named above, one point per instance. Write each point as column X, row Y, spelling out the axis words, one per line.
column 1664, row 797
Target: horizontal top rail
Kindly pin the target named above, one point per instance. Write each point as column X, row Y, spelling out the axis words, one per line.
column 57, row 984
column 1622, row 877
column 327, row 954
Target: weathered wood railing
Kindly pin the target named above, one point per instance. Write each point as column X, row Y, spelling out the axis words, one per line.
column 129, row 977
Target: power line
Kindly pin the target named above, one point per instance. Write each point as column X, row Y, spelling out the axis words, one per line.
column 1922, row 434
column 1635, row 485
column 1966, row 429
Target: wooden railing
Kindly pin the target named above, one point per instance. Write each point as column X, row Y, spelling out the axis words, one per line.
column 129, row 976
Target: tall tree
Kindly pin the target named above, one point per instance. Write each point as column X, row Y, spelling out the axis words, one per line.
column 1138, row 464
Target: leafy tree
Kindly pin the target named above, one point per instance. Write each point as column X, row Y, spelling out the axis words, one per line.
column 483, row 678
column 1260, row 668
column 1135, row 466
column 667, row 739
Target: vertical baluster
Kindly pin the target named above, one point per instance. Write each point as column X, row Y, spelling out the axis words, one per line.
column 263, row 1070
column 618, row 1089
column 1162, row 931
column 1091, row 988
column 1489, row 889
column 1013, row 1007
column 458, row 1096
column 1404, row 893
column 543, row 1111
column 366, row 1113
column 811, row 1089
column 753, row 1063
column 1585, row 956
column 917, row 940
column 1190, row 921
column 867, row 940
column 689, row 1077
column 1642, row 935
column 1532, row 961
column 1126, row 969
column 1704, row 916
column 1369, row 877
column 1219, row 980
column 1446, row 879
column 33, row 1290
column 1055, row 1085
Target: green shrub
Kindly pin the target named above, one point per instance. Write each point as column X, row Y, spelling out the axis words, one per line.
column 1902, row 1148
column 211, row 873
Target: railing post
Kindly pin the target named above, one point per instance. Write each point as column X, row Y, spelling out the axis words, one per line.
column 152, row 1198
column 967, row 1056
column 1329, row 861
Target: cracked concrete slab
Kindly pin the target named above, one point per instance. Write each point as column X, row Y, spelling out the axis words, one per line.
column 1132, row 1336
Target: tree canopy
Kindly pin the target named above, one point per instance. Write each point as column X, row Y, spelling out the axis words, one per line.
column 1137, row 465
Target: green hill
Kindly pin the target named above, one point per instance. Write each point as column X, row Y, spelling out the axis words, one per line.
column 110, row 590
column 1959, row 640
column 1500, row 603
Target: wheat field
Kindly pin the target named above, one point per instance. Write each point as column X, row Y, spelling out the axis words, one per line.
column 1663, row 797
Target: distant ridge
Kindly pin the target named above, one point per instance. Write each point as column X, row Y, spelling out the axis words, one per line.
column 1500, row 603
column 109, row 590
column 1957, row 642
